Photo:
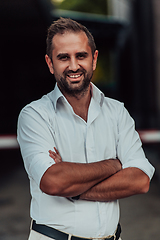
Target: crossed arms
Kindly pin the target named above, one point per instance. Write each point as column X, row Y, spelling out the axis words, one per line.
column 99, row 181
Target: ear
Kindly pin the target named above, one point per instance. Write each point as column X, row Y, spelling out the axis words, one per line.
column 95, row 59
column 49, row 63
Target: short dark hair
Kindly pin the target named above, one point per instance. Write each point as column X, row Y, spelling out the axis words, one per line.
column 63, row 25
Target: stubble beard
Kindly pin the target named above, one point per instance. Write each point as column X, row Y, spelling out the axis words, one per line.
column 76, row 92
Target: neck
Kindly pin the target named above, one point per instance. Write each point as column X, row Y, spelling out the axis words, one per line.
column 80, row 103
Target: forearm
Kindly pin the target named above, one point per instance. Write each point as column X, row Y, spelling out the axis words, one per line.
column 125, row 183
column 71, row 179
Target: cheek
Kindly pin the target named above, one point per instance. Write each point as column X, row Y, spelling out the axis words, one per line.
column 88, row 65
column 58, row 70
column 61, row 68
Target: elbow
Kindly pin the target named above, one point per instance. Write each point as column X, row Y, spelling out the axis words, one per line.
column 50, row 186
column 145, row 184
column 51, row 189
column 141, row 182
column 146, row 187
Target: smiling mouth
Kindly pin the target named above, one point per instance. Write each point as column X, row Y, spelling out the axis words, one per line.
column 74, row 76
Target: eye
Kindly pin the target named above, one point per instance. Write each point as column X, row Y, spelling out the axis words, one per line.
column 64, row 58
column 81, row 56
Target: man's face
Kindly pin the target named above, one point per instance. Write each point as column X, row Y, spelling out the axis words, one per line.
column 73, row 63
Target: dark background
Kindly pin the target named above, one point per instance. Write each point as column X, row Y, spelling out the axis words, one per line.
column 24, row 75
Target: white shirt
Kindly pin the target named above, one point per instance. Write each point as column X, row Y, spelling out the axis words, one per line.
column 108, row 133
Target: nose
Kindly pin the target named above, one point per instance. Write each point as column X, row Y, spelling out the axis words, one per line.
column 73, row 65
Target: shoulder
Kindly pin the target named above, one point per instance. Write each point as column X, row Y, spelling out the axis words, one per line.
column 42, row 107
column 104, row 101
column 116, row 110
column 112, row 105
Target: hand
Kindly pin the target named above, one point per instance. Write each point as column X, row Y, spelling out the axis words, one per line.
column 55, row 155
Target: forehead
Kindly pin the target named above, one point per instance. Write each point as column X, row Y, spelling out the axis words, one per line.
column 70, row 41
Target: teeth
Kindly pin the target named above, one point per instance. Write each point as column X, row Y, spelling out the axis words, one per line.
column 74, row 76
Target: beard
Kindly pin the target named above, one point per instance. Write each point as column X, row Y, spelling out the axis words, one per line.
column 71, row 89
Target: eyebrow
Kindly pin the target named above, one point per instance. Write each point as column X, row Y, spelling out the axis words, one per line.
column 82, row 53
column 60, row 55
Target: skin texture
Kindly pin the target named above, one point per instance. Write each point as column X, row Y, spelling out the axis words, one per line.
column 70, row 179
column 110, row 188
column 71, row 57
column 72, row 64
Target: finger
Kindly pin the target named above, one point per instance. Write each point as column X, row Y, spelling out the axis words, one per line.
column 58, row 154
column 55, row 156
column 56, row 159
column 52, row 156
column 56, row 151
column 52, row 152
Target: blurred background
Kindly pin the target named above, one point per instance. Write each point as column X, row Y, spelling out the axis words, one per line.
column 127, row 34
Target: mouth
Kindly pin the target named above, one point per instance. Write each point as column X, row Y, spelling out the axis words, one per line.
column 76, row 77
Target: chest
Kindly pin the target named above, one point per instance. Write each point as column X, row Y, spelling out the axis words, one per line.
column 80, row 141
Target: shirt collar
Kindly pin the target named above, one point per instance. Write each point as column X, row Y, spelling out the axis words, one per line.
column 97, row 95
column 55, row 95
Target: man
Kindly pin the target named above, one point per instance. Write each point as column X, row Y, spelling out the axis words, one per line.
column 80, row 149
